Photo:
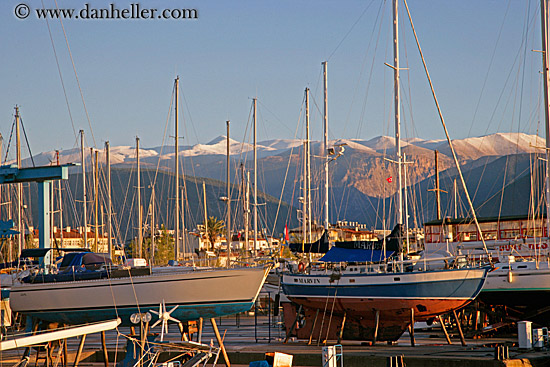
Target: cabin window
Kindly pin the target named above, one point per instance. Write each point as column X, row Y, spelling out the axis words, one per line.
column 396, row 279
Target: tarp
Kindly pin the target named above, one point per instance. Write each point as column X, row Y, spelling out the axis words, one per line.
column 6, row 230
column 337, row 254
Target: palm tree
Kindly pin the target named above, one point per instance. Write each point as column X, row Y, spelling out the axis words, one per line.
column 215, row 228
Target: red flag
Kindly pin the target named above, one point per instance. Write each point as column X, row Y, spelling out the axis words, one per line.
column 389, row 179
column 286, row 233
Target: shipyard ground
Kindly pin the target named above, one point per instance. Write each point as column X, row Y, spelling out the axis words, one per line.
column 248, row 339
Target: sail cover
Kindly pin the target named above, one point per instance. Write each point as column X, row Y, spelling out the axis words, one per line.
column 337, row 254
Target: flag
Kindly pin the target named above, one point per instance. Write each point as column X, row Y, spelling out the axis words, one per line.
column 286, row 233
column 389, row 179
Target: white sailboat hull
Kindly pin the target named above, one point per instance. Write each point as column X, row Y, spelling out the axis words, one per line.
column 206, row 293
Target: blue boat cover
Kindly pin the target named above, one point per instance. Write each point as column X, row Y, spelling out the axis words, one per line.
column 337, row 254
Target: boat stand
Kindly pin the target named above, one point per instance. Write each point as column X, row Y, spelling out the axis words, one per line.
column 220, row 342
column 442, row 322
column 459, row 327
column 411, row 328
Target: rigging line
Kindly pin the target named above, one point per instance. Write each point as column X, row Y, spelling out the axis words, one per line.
column 287, row 170
column 489, row 68
column 286, row 176
column 503, row 186
column 163, row 139
column 525, row 35
column 9, row 142
column 264, row 107
column 76, row 76
column 27, row 141
column 60, row 75
column 501, row 95
column 379, row 16
column 349, row 31
column 446, row 132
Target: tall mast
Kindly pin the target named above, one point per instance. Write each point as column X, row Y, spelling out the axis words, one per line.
column 437, row 192
column 304, row 199
column 85, row 199
column 228, row 201
column 19, row 185
column 255, row 185
column 140, row 219
column 325, row 146
column 177, row 209
column 205, row 215
column 246, row 211
column 109, row 206
column 544, row 39
column 308, row 169
column 397, row 111
column 152, row 224
column 96, row 201
column 60, row 204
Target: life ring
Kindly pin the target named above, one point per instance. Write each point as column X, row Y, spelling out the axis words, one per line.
column 301, row 267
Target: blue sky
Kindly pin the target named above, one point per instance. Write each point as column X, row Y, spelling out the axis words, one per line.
column 479, row 55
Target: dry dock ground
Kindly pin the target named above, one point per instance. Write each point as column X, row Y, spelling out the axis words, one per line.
column 247, row 339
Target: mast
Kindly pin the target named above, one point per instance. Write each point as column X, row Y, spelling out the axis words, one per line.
column 455, row 191
column 255, row 185
column 109, row 206
column 397, row 107
column 308, row 169
column 140, row 219
column 304, row 201
column 96, row 201
column 19, row 185
column 60, row 206
column 325, row 147
column 152, row 224
column 544, row 39
column 177, row 209
column 205, row 216
column 247, row 211
column 228, row 202
column 437, row 193
column 84, row 200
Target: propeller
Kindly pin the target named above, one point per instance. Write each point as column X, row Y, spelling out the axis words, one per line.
column 164, row 317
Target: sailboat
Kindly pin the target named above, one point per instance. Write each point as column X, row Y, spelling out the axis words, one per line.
column 525, row 284
column 374, row 294
column 88, row 287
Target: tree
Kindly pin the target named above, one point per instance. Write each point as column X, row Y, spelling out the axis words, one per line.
column 215, row 228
